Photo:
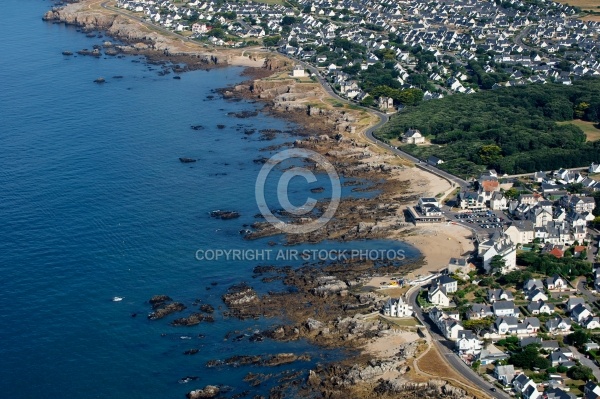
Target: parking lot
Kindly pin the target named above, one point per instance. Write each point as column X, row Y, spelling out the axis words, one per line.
column 483, row 219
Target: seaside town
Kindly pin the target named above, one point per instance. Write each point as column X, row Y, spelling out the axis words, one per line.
column 522, row 310
column 439, row 48
column 519, row 314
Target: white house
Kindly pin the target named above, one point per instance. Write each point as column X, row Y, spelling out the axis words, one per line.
column 591, row 390
column 504, row 374
column 499, row 294
column 591, row 323
column 523, row 384
column 558, row 324
column 397, row 308
column 537, row 295
column 505, row 308
column 540, row 307
column 298, row 71
column 580, row 312
column 504, row 325
column 413, row 136
column 447, row 282
column 555, row 283
column 438, row 296
column 594, row 168
column 468, row 343
column 503, row 247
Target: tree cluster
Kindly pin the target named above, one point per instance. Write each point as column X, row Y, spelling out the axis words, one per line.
column 513, row 130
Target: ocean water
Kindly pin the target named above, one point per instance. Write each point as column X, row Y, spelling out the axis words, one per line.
column 94, row 203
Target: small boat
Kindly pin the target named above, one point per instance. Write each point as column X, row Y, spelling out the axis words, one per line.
column 117, row 299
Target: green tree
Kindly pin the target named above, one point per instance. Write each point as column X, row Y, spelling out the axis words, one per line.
column 490, row 153
column 477, row 325
column 512, row 193
column 578, row 338
column 497, row 263
column 528, row 358
column 580, row 373
column 367, row 101
column 580, row 109
column 287, row 20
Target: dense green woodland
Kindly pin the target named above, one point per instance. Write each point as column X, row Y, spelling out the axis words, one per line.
column 512, row 130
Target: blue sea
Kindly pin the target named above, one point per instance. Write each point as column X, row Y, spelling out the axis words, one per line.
column 94, row 204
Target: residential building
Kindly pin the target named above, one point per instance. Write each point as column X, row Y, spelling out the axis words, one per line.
column 504, row 373
column 397, row 308
column 413, row 136
column 468, row 343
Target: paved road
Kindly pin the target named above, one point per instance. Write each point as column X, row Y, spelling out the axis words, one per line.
column 586, row 362
column 519, row 38
column 446, row 349
column 383, row 119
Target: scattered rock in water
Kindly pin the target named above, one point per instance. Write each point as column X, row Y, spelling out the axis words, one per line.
column 100, row 80
column 111, row 51
column 225, row 215
column 197, row 127
column 241, row 299
column 118, row 77
column 269, row 134
column 207, row 308
column 261, row 160
column 258, row 360
column 243, row 114
column 67, row 53
column 317, row 190
column 95, row 52
column 249, row 131
column 209, row 391
column 191, row 351
column 177, row 77
column 221, row 126
column 162, row 308
column 192, row 320
column 167, row 310
column 187, row 160
column 159, row 300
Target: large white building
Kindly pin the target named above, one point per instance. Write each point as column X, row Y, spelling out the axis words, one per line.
column 397, row 308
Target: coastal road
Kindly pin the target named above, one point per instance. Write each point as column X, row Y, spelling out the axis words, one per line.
column 445, row 348
column 383, row 119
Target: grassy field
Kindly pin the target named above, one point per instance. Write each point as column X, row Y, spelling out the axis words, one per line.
column 591, row 132
column 583, row 4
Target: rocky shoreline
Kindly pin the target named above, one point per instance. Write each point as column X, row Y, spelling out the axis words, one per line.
column 327, row 304
column 136, row 39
